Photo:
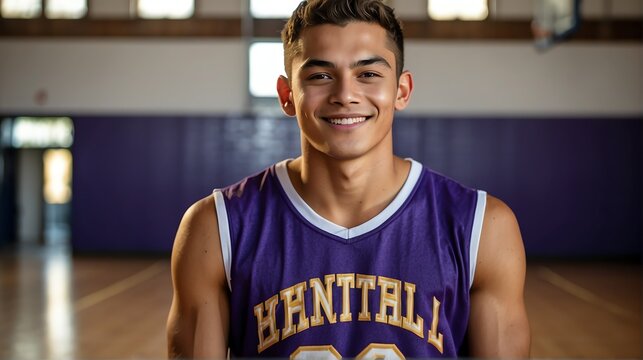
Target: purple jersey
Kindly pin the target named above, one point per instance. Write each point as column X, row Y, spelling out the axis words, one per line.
column 394, row 286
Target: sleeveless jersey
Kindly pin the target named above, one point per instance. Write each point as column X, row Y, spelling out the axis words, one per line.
column 395, row 286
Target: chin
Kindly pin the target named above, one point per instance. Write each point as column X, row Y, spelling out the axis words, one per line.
column 346, row 154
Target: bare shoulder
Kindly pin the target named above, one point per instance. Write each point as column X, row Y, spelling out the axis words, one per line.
column 197, row 250
column 499, row 327
column 197, row 229
column 498, row 216
column 199, row 220
column 501, row 247
column 198, row 319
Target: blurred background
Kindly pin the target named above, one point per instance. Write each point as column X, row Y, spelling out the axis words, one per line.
column 116, row 115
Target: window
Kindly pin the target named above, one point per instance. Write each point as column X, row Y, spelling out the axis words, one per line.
column 280, row 9
column 458, row 9
column 266, row 59
column 165, row 9
column 57, row 176
column 27, row 132
column 55, row 9
column 266, row 64
column 21, row 8
column 66, row 9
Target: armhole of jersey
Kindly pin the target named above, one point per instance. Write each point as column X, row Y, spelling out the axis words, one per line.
column 224, row 233
column 476, row 231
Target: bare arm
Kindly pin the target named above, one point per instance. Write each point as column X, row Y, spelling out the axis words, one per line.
column 197, row 325
column 498, row 322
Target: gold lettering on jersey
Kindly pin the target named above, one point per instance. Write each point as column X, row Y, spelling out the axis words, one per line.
column 297, row 319
column 391, row 300
column 322, row 299
column 366, row 283
column 346, row 282
column 315, row 352
column 268, row 322
column 293, row 298
column 435, row 338
column 380, row 351
column 417, row 326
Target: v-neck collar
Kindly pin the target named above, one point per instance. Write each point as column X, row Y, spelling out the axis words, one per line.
column 328, row 226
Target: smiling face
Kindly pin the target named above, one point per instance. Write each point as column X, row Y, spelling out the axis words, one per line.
column 344, row 89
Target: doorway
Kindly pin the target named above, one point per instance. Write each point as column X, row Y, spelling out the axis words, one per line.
column 35, row 180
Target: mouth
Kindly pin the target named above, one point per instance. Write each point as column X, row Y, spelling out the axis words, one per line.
column 346, row 120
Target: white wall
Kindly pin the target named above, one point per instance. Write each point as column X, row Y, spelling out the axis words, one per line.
column 122, row 76
column 110, row 9
column 208, row 77
column 512, row 78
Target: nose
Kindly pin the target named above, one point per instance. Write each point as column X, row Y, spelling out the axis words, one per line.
column 344, row 91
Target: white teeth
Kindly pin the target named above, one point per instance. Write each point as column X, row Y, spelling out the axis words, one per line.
column 347, row 121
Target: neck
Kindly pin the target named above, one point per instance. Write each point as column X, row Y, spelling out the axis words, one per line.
column 348, row 192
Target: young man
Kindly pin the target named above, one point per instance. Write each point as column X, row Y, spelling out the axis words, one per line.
column 348, row 250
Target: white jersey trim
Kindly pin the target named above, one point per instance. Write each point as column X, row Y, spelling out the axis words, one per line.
column 476, row 231
column 224, row 233
column 347, row 233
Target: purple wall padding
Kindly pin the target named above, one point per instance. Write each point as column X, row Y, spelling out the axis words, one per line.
column 133, row 177
column 574, row 184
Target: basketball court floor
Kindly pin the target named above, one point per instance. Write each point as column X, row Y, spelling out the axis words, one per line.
column 57, row 306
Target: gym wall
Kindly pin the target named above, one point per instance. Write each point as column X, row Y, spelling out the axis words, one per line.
column 160, row 122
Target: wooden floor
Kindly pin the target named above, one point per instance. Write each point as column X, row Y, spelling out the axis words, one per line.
column 55, row 306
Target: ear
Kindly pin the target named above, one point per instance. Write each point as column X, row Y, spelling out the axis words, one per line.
column 404, row 89
column 285, row 96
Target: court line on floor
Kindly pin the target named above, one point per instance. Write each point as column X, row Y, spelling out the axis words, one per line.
column 118, row 287
column 576, row 290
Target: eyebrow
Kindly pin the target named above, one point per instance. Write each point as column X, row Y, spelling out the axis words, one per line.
column 375, row 60
column 359, row 63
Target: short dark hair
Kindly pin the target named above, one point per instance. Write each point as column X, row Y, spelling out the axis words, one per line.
column 341, row 12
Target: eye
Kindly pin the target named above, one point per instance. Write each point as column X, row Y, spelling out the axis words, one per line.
column 369, row 74
column 319, row 76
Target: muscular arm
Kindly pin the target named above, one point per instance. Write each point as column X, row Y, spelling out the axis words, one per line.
column 498, row 325
column 197, row 325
